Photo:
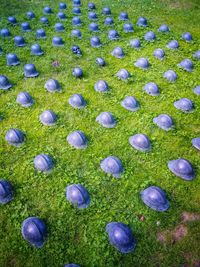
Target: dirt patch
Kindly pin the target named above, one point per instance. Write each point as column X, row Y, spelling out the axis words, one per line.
column 192, row 261
column 162, row 237
column 56, row 64
column 181, row 5
column 189, row 217
column 173, row 236
column 179, row 233
column 178, row 4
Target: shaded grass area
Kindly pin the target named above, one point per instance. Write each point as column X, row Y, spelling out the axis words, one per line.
column 79, row 235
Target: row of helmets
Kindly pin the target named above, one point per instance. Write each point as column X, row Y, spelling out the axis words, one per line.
column 77, row 101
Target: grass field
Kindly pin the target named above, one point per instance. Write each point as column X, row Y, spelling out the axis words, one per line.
column 79, row 235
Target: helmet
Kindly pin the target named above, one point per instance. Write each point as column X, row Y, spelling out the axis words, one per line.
column 182, row 168
column 112, row 165
column 43, row 163
column 121, row 237
column 34, row 231
column 78, row 195
column 155, row 198
column 77, row 139
column 106, row 119
column 14, row 137
column 140, row 142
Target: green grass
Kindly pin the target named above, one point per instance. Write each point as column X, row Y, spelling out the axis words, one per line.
column 79, row 235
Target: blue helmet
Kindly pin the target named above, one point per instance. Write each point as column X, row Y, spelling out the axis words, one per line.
column 59, row 27
column 142, row 22
column 118, row 52
column 61, row 15
column 48, row 117
column 57, row 41
column 76, row 10
column 44, row 20
column 78, row 195
column 130, row 103
column 108, row 21
column 140, row 142
column 77, row 101
column 170, row 75
column 121, row 237
column 92, row 15
column 30, row 71
column 30, row 15
column 91, row 6
column 12, row 59
column 150, row 36
column 106, row 119
column 112, row 165
column 62, row 5
column 24, row 99
column 151, row 89
column 77, row 72
column 186, row 64
column 25, row 26
column 4, row 83
column 95, row 41
column 43, row 163
column 184, row 104
column 5, row 33
column 123, row 74
column 76, row 21
column 40, row 33
column 6, row 192
column 47, row 10
column 196, row 142
column 77, row 2
column 163, row 28
column 34, row 231
column 52, row 85
column 94, row 27
column 14, row 137
column 12, row 20
column 135, row 43
column 113, row 35
column 106, row 11
column 77, row 139
column 187, row 36
column 196, row 55
column 36, row 50
column 142, row 63
column 128, row 27
column 182, row 168
column 164, row 121
column 159, row 53
column 19, row 41
column 123, row 16
column 196, row 90
column 155, row 198
column 173, row 45
column 100, row 61
column 76, row 50
column 101, row 86
column 76, row 33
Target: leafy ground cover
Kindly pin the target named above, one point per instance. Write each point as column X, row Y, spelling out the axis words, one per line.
column 79, row 235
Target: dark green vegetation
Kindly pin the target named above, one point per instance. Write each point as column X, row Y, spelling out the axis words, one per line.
column 79, row 235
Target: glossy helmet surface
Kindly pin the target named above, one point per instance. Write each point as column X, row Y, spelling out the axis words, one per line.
column 112, row 165
column 155, row 198
column 34, row 231
column 121, row 237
